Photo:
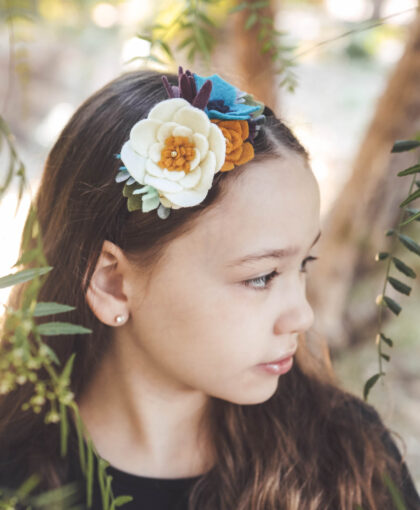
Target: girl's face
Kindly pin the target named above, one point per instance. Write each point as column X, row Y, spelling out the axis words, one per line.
column 207, row 320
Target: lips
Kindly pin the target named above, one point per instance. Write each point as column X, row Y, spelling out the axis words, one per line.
column 279, row 360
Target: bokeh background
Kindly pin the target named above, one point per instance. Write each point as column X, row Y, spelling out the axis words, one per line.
column 346, row 78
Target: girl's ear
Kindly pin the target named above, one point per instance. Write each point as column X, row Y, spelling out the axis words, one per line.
column 105, row 295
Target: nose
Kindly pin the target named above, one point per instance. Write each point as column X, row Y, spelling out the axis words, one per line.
column 297, row 318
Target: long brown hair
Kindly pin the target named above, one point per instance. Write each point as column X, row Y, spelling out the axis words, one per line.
column 310, row 446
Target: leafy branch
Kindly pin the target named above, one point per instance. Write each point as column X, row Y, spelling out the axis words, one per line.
column 382, row 300
column 192, row 24
column 270, row 40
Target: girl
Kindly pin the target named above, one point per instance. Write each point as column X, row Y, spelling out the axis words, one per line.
column 180, row 216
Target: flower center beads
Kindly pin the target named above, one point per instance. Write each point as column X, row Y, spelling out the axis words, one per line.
column 177, row 154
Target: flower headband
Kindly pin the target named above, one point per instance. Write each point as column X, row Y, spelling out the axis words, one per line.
column 205, row 126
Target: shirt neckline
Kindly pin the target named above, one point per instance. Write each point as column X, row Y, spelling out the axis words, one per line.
column 134, row 479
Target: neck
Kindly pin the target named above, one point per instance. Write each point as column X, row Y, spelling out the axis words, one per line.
column 141, row 421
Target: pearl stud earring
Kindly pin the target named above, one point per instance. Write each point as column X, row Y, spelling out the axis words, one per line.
column 119, row 319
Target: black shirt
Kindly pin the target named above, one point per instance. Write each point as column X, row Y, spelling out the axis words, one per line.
column 151, row 493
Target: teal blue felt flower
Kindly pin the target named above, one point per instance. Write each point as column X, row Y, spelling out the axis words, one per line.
column 225, row 100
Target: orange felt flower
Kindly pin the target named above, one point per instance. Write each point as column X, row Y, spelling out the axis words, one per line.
column 238, row 151
column 177, row 154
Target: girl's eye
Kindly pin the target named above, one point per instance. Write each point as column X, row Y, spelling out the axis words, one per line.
column 261, row 283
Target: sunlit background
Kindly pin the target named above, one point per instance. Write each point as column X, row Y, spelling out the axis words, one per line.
column 76, row 47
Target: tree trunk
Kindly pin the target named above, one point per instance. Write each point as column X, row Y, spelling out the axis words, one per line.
column 238, row 56
column 365, row 209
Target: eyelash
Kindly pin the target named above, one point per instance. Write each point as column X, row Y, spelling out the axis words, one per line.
column 272, row 275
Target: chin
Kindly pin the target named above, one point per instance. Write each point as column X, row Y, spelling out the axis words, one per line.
column 253, row 397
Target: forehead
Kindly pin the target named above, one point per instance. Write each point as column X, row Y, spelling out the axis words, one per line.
column 273, row 204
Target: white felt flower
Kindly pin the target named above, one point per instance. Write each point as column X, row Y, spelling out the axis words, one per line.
column 176, row 150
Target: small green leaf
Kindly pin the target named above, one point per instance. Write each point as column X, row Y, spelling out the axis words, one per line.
column 389, row 232
column 403, row 268
column 405, row 145
column 65, row 374
column 369, row 385
column 191, row 53
column 23, row 276
column 414, row 217
column 89, row 477
column 27, row 256
column 240, row 7
column 50, row 353
column 392, row 305
column 259, row 5
column 411, row 170
column 381, row 255
column 385, row 356
column 396, row 495
column 61, row 328
column 42, row 309
column 409, row 243
column 387, row 340
column 399, row 286
column 205, row 18
column 251, row 20
column 121, row 500
column 267, row 45
column 145, row 37
column 185, row 42
column 64, row 428
column 165, row 48
column 410, row 198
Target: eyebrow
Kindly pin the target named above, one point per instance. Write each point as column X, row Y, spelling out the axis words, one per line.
column 268, row 254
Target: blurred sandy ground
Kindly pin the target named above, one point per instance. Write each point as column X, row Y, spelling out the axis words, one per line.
column 76, row 52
